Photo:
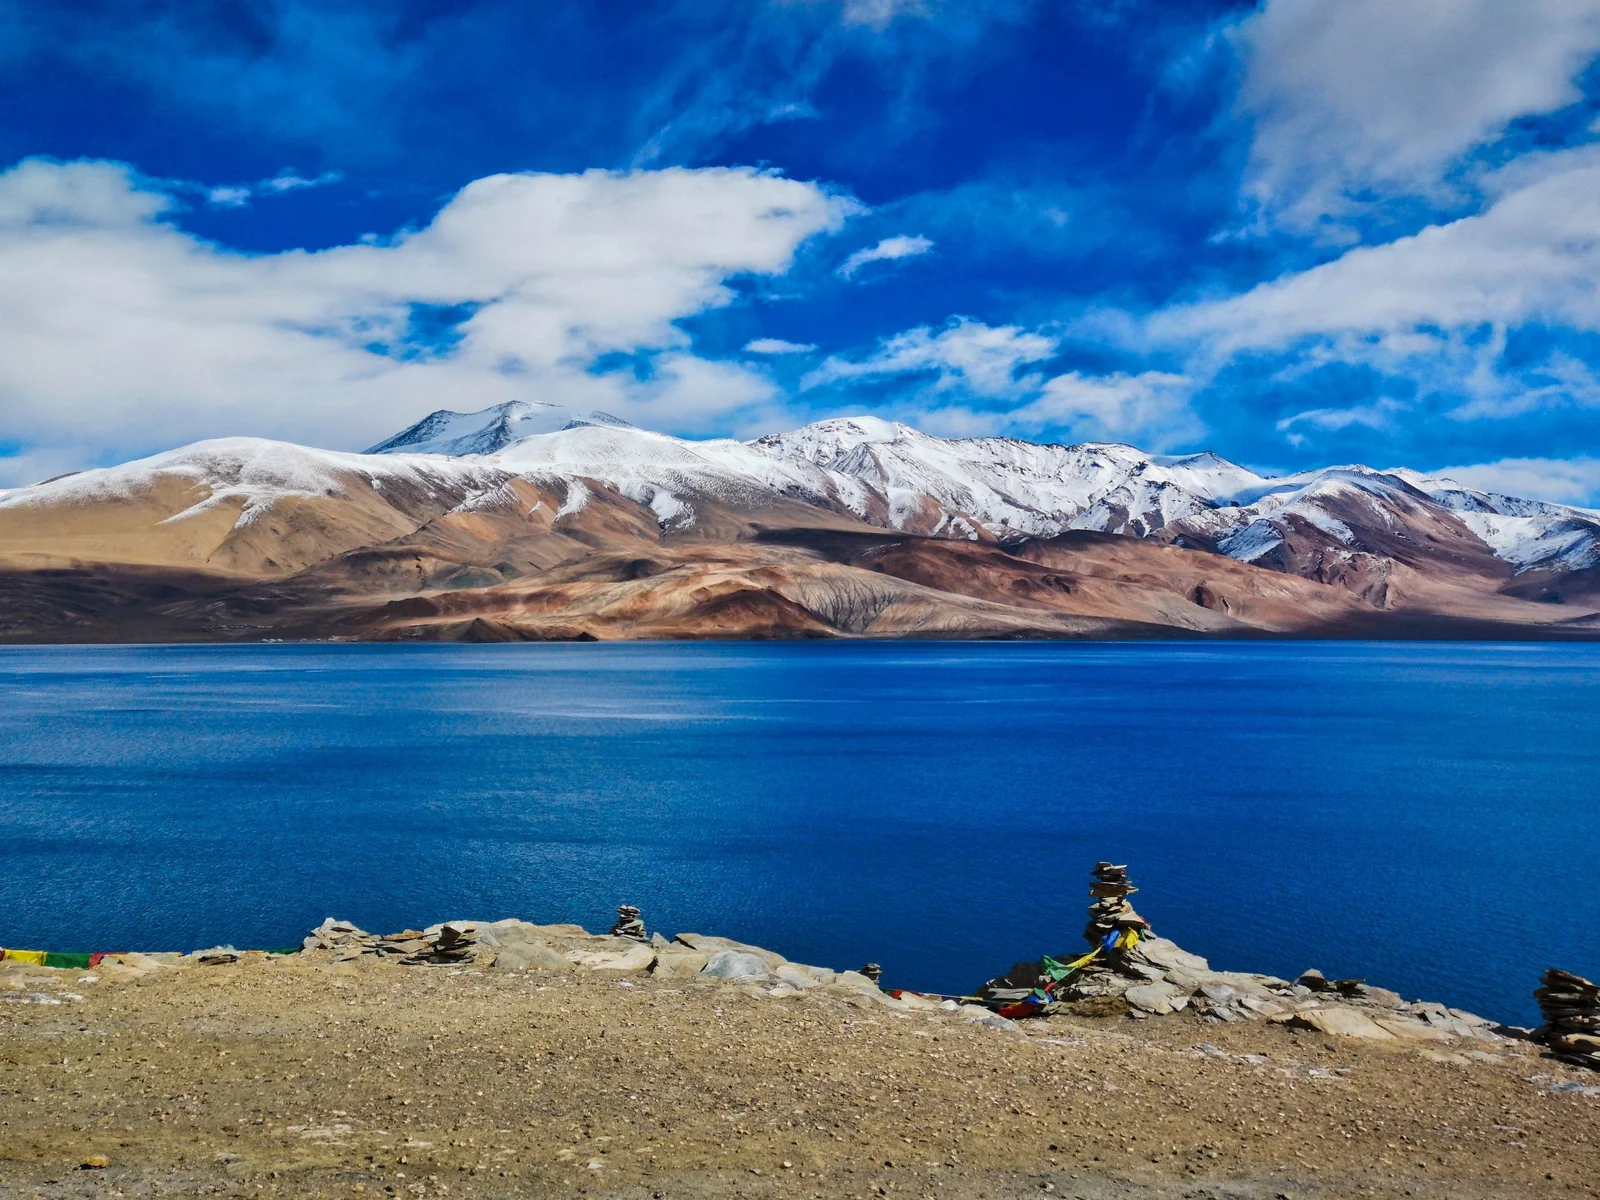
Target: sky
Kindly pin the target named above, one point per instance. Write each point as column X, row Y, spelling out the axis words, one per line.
column 1294, row 232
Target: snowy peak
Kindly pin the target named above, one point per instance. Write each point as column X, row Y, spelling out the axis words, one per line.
column 825, row 442
column 489, row 430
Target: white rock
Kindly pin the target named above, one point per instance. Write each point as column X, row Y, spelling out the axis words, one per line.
column 735, row 964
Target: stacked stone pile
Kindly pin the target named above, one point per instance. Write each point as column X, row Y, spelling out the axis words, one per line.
column 444, row 945
column 451, row 946
column 629, row 924
column 1111, row 913
column 340, row 936
column 1570, row 1005
column 1155, row 977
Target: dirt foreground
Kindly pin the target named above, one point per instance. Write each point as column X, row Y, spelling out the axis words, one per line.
column 304, row 1076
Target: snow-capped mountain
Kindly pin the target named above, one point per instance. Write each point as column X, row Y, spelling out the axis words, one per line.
column 521, row 492
column 484, row 432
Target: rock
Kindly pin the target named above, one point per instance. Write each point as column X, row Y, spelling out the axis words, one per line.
column 803, row 977
column 1382, row 997
column 699, row 941
column 856, row 987
column 738, row 964
column 629, row 923
column 1157, row 999
column 1002, row 1024
column 1260, row 1007
column 640, row 958
column 1407, row 1027
column 96, row 1162
column 530, row 956
column 1339, row 1021
column 216, row 956
column 1222, row 993
column 1314, row 980
column 334, row 934
column 679, row 962
column 635, row 957
column 560, row 931
column 1169, row 956
column 1571, row 1008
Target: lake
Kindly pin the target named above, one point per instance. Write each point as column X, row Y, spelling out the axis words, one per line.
column 1426, row 816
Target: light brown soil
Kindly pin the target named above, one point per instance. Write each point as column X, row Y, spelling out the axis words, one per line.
column 299, row 1077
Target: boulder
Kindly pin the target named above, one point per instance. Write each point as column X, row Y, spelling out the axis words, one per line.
column 637, row 957
column 1339, row 1021
column 800, row 976
column 1382, row 997
column 679, row 962
column 700, row 941
column 854, row 986
column 736, row 964
column 1170, row 956
column 1155, row 999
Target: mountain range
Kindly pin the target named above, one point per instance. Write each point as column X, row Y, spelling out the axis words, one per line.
column 529, row 521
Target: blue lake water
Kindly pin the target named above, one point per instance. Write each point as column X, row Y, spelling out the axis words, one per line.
column 1425, row 816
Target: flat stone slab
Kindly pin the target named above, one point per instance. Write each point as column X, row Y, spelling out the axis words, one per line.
column 1340, row 1022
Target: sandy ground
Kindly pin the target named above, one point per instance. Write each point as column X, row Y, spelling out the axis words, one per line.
column 302, row 1077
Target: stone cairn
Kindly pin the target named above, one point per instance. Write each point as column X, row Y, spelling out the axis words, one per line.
column 450, row 945
column 872, row 971
column 1110, row 912
column 1570, row 1005
column 629, row 924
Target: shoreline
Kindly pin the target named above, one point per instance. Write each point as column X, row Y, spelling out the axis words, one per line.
column 513, row 1059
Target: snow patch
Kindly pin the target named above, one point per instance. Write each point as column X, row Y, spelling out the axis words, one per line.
column 1252, row 542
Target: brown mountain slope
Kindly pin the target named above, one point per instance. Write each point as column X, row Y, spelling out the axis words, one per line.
column 348, row 547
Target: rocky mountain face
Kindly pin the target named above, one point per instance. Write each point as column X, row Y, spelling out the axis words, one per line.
column 532, row 521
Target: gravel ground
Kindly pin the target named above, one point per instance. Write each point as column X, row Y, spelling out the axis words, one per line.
column 302, row 1077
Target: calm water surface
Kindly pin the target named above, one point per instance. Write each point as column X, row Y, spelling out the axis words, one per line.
column 1426, row 816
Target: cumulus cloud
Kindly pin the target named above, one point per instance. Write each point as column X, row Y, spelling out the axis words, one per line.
column 777, row 346
column 1354, row 96
column 1532, row 255
column 116, row 324
column 889, row 249
column 1558, row 480
column 982, row 359
column 1152, row 406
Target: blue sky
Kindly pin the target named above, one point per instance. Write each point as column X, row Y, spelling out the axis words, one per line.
column 1297, row 232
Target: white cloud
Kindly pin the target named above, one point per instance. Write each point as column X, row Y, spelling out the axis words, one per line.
column 35, row 466
column 293, row 181
column 228, row 197
column 1152, row 406
column 777, row 346
column 1558, row 480
column 1533, row 255
column 888, row 250
column 878, row 13
column 117, row 326
column 965, row 353
column 1357, row 95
